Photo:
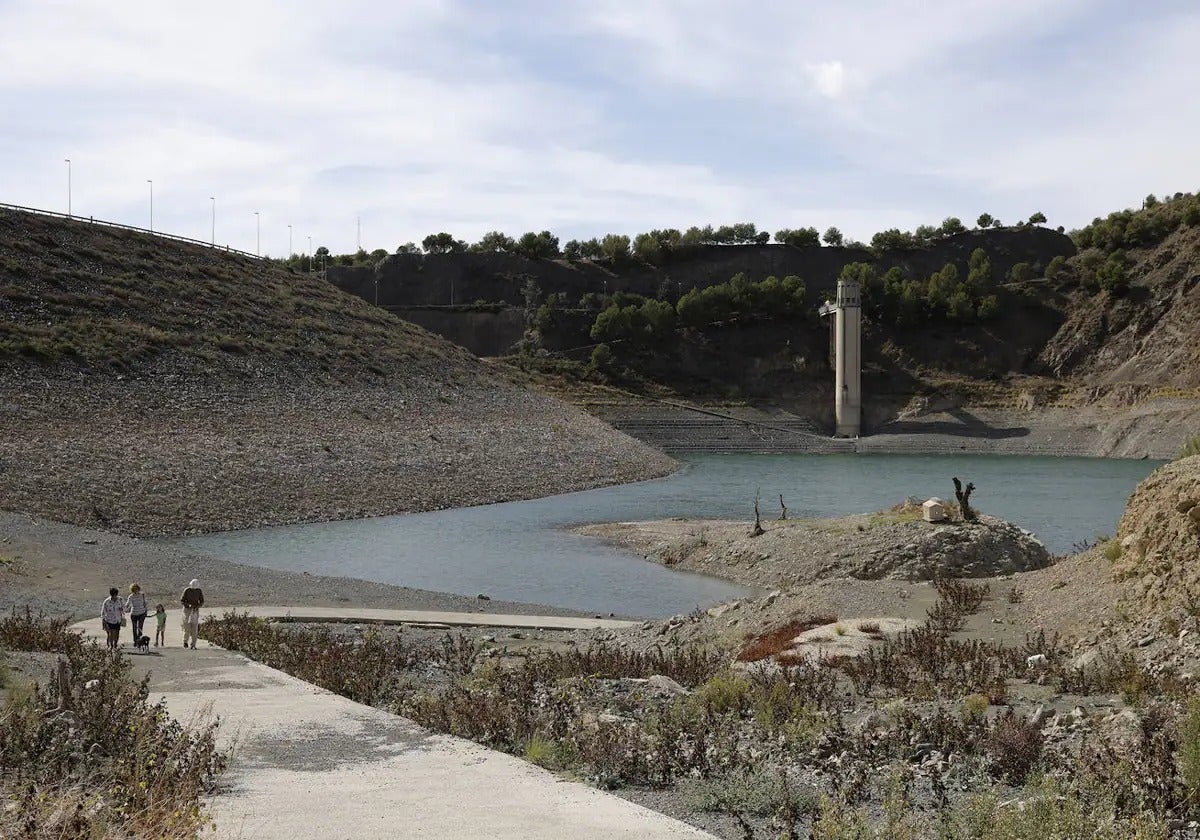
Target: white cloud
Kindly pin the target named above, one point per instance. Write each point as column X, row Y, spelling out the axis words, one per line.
column 829, row 78
column 438, row 115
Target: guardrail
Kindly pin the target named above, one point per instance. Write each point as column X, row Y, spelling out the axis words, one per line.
column 94, row 221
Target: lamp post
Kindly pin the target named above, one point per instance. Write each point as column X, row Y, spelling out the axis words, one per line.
column 290, row 250
column 213, row 199
column 257, row 234
column 68, row 160
column 151, row 183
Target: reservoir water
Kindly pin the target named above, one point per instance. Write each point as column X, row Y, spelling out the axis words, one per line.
column 520, row 551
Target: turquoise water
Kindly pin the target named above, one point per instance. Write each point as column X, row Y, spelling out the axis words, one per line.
column 519, row 551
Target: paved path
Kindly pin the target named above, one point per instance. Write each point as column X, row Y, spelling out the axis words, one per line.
column 461, row 619
column 308, row 763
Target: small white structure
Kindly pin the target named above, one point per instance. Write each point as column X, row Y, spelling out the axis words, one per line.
column 934, row 510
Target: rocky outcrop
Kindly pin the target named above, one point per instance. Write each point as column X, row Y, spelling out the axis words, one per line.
column 889, row 545
column 983, row 548
column 1144, row 337
column 1158, row 546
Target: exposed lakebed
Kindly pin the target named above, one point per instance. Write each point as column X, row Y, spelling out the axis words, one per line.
column 520, row 551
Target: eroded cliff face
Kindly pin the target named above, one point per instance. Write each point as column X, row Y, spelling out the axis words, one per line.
column 1148, row 336
column 1159, row 537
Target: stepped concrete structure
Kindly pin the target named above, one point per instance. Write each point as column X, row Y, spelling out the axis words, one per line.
column 847, row 337
column 680, row 429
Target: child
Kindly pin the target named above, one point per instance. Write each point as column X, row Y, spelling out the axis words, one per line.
column 160, row 634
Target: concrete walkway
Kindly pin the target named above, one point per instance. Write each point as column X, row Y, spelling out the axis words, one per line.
column 308, row 763
column 352, row 615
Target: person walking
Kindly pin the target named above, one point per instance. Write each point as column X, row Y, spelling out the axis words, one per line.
column 192, row 600
column 112, row 616
column 160, row 630
column 137, row 607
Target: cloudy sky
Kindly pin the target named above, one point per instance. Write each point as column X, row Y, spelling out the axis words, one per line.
column 592, row 117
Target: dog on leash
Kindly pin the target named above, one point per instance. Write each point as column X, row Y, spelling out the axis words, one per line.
column 142, row 644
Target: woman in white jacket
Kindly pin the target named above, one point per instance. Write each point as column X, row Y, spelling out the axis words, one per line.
column 137, row 608
column 112, row 613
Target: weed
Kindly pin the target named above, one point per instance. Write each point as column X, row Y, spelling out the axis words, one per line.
column 871, row 628
column 1015, row 596
column 747, row 791
column 1014, row 746
column 1189, row 752
column 80, row 735
column 725, row 693
column 840, row 629
column 975, row 706
column 1112, row 551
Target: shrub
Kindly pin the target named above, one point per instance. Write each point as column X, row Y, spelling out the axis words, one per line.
column 1191, row 448
column 745, row 791
column 975, row 706
column 1056, row 267
column 1189, row 752
column 1021, row 272
column 89, row 756
column 725, row 693
column 1014, row 746
column 603, row 358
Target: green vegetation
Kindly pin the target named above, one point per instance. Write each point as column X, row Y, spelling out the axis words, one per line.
column 1139, row 228
column 905, row 301
column 88, row 756
column 1191, row 448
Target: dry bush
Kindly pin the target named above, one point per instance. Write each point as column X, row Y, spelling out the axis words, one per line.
column 780, row 638
column 89, row 757
column 1014, row 745
column 962, row 595
column 34, row 631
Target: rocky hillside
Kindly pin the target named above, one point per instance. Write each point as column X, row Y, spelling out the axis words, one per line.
column 1148, row 334
column 1115, row 305
column 78, row 297
column 152, row 386
column 1158, row 540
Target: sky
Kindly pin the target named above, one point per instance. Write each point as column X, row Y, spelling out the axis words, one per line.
column 585, row 118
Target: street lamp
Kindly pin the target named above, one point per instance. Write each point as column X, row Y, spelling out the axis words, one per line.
column 151, row 183
column 257, row 234
column 68, row 160
column 213, row 199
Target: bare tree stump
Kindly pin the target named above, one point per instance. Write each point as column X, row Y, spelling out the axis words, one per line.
column 964, row 499
column 783, row 511
column 62, row 680
column 758, row 529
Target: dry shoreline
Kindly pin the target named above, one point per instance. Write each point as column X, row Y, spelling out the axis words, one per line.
column 158, row 458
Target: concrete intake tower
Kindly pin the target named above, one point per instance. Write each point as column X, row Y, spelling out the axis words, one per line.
column 847, row 365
